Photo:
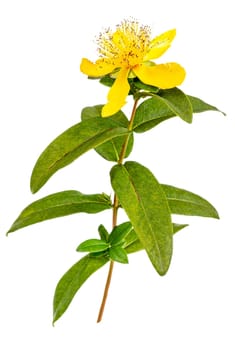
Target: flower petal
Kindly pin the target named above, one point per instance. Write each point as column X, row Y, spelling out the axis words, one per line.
column 117, row 94
column 164, row 76
column 97, row 69
column 160, row 44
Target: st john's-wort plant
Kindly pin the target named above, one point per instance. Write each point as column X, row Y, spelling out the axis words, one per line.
column 126, row 66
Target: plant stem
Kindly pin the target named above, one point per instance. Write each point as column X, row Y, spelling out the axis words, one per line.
column 115, row 212
column 106, row 290
column 108, row 281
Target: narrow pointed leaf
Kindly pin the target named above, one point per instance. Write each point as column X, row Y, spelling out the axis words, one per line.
column 110, row 150
column 70, row 145
column 104, row 235
column 200, row 106
column 118, row 254
column 117, row 236
column 92, row 246
column 61, row 204
column 155, row 110
column 178, row 227
column 136, row 245
column 183, row 202
column 72, row 281
column 145, row 203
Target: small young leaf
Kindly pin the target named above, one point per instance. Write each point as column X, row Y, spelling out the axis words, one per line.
column 110, row 150
column 118, row 254
column 72, row 280
column 61, row 204
column 144, row 87
column 70, row 145
column 107, row 81
column 92, row 246
column 130, row 238
column 144, row 201
column 104, row 235
column 118, row 234
column 183, row 202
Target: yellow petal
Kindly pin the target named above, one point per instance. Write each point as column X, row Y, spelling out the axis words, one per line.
column 97, row 69
column 164, row 76
column 117, row 94
column 160, row 44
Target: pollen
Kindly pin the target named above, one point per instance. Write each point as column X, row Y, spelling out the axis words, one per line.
column 125, row 47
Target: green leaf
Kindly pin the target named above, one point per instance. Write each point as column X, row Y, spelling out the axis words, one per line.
column 117, row 253
column 110, row 150
column 150, row 113
column 93, row 246
column 183, row 202
column 70, row 145
column 118, row 234
column 104, row 235
column 107, row 81
column 178, row 227
column 136, row 245
column 200, row 106
column 178, row 102
column 61, row 204
column 155, row 110
column 146, row 205
column 130, row 238
column 72, row 280
column 139, row 85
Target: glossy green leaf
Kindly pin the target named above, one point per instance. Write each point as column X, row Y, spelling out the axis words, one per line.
column 130, row 238
column 92, row 246
column 104, row 235
column 136, row 245
column 118, row 234
column 110, row 150
column 145, row 203
column 183, row 202
column 117, row 253
column 72, row 280
column 71, row 144
column 61, row 204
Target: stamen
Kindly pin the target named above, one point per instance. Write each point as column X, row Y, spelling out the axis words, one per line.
column 126, row 46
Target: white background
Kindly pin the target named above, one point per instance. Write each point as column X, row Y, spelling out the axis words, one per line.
column 41, row 94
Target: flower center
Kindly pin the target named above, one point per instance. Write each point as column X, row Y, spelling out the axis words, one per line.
column 127, row 46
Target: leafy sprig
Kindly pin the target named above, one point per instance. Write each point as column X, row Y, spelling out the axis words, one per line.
column 148, row 204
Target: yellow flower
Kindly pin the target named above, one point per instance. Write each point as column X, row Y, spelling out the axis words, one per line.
column 128, row 52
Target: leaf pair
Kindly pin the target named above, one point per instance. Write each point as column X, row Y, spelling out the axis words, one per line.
column 149, row 206
column 111, row 245
column 107, row 135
